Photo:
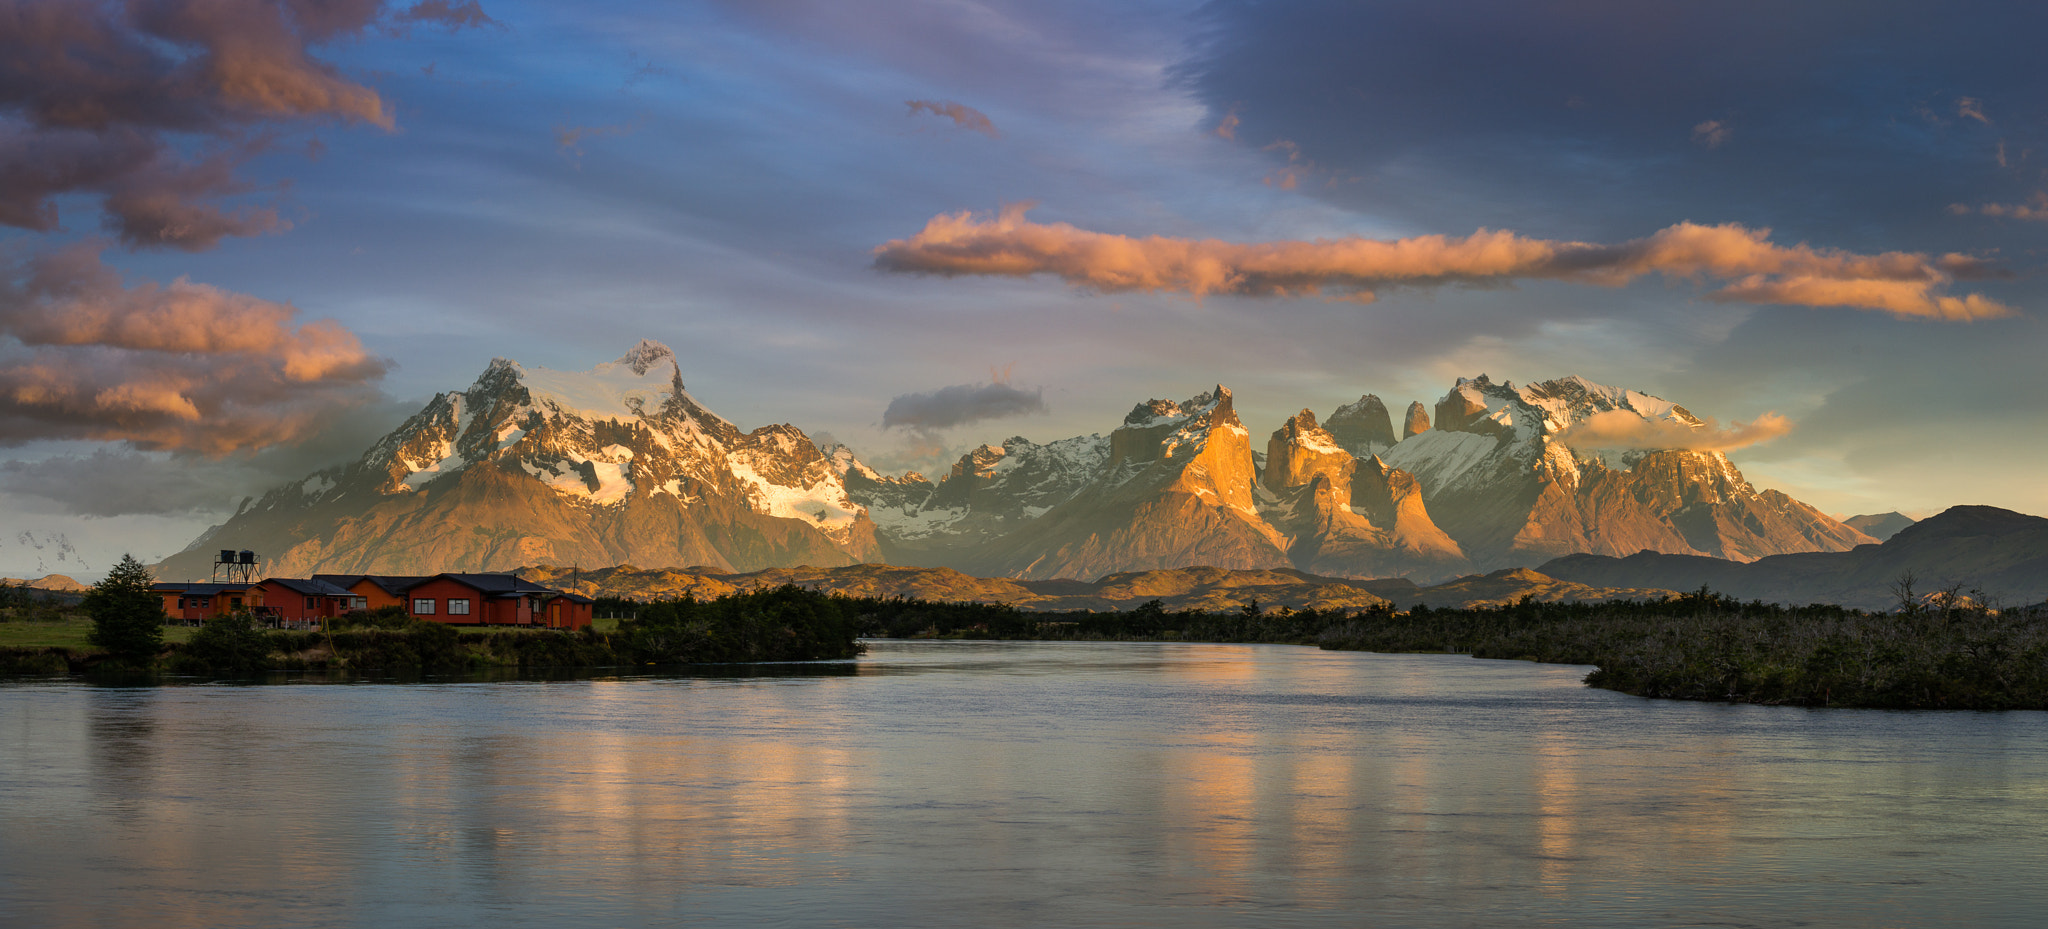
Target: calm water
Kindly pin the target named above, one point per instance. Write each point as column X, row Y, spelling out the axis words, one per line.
column 1013, row 784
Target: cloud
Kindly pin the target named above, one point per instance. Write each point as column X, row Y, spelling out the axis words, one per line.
column 960, row 405
column 1754, row 269
column 965, row 117
column 2035, row 209
column 1226, row 128
column 153, row 104
column 1711, row 133
column 1972, row 108
column 109, row 483
column 183, row 366
column 570, row 138
column 1623, row 429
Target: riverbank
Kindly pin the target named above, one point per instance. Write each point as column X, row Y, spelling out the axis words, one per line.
column 1954, row 654
column 776, row 625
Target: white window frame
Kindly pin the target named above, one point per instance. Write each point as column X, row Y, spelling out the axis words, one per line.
column 423, row 606
column 458, row 606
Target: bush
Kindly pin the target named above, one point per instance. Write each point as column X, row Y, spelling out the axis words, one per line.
column 228, row 644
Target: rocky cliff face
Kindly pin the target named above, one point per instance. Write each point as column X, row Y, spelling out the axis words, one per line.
column 621, row 465
column 1176, row 489
column 1498, row 475
column 617, row 464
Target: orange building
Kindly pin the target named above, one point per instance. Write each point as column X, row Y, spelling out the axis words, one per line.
column 194, row 603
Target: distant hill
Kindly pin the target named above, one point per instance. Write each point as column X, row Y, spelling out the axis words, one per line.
column 2002, row 553
column 1198, row 588
column 47, row 582
column 1880, row 526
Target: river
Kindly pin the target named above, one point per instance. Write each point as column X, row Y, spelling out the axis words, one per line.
column 1011, row 784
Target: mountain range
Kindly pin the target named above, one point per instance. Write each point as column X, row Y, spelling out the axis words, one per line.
column 621, row 464
column 1981, row 551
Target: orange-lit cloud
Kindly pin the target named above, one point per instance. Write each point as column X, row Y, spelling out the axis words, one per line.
column 2035, row 209
column 1753, row 268
column 1711, row 133
column 1623, row 429
column 184, row 366
column 93, row 93
column 1227, row 128
column 963, row 116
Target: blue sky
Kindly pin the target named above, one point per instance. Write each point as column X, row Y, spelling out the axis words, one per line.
column 562, row 180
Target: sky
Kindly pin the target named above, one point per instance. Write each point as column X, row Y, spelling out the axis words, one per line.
column 240, row 240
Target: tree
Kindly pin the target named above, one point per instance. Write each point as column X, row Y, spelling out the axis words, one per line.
column 127, row 617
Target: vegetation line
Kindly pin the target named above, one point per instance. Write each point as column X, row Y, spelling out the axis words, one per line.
column 1942, row 651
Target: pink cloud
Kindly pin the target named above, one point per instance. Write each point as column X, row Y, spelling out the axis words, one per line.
column 963, row 116
column 92, row 92
column 1749, row 267
column 183, row 366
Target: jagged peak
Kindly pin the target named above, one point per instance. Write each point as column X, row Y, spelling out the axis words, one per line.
column 646, row 354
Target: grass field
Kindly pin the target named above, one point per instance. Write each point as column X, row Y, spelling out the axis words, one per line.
column 70, row 632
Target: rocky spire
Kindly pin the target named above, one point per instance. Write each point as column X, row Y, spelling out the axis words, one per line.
column 1363, row 427
column 1417, row 421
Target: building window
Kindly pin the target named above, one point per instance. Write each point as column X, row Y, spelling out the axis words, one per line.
column 458, row 607
column 181, row 603
column 202, row 602
column 359, row 603
column 423, row 607
column 234, row 603
column 310, row 604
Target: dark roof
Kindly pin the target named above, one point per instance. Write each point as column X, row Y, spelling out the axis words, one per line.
column 393, row 584
column 197, row 590
column 574, row 597
column 493, row 584
column 311, row 587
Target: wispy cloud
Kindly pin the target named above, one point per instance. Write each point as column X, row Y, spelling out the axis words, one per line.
column 1226, row 128
column 1712, row 133
column 1750, row 268
column 2035, row 209
column 963, row 116
column 1622, row 429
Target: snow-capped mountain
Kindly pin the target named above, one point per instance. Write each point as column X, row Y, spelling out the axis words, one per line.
column 529, row 465
column 1495, row 483
column 1498, row 473
column 620, row 465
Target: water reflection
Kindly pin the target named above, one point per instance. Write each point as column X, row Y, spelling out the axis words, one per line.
column 1000, row 784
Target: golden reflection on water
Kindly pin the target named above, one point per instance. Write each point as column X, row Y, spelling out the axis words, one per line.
column 1191, row 785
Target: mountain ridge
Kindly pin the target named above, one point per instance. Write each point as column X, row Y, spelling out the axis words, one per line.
column 620, row 464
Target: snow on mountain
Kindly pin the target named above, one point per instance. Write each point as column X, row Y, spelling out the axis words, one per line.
column 616, row 463
column 621, row 464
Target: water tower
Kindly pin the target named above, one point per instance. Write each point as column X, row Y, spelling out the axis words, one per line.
column 235, row 567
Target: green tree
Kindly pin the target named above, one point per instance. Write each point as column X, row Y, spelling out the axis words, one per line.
column 127, row 617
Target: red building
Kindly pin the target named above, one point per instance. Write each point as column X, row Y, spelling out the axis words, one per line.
column 569, row 611
column 372, row 590
column 301, row 603
column 480, row 599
